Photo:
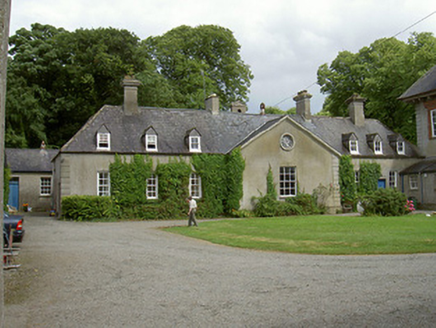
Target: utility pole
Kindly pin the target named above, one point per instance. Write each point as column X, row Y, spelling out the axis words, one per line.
column 5, row 13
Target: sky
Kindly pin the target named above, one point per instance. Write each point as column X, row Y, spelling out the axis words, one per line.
column 283, row 41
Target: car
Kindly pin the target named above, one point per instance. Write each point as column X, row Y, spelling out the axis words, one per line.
column 15, row 224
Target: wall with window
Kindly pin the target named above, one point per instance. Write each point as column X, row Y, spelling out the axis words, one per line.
column 426, row 127
column 35, row 189
column 300, row 163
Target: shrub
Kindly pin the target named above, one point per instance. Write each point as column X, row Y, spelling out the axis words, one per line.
column 384, row 202
column 306, row 202
column 86, row 208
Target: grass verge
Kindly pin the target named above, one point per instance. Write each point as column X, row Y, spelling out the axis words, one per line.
column 332, row 235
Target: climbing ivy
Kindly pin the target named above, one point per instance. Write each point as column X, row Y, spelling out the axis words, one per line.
column 347, row 182
column 173, row 180
column 6, row 178
column 369, row 175
column 221, row 177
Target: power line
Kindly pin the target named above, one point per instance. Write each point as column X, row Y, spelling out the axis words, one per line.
column 394, row 36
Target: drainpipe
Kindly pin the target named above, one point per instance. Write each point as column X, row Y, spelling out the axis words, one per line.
column 422, row 188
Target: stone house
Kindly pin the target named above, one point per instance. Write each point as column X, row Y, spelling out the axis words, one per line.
column 419, row 180
column 302, row 150
column 31, row 178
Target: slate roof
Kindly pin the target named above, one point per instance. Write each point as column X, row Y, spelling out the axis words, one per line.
column 423, row 87
column 219, row 133
column 426, row 166
column 30, row 160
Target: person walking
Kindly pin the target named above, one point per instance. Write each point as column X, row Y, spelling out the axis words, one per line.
column 192, row 210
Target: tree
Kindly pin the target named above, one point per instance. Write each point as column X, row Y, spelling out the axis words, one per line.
column 198, row 61
column 275, row 110
column 58, row 79
column 380, row 73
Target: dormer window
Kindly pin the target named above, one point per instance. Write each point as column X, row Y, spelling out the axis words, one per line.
column 104, row 141
column 396, row 141
column 378, row 149
column 194, row 144
column 350, row 142
column 375, row 143
column 354, row 147
column 401, row 148
column 150, row 140
column 193, row 139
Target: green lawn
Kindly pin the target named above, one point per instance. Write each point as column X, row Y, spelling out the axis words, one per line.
column 322, row 234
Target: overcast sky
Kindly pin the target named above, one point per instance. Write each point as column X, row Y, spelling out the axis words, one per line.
column 283, row 41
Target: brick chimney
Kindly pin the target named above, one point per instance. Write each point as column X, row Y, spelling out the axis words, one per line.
column 130, row 95
column 302, row 100
column 212, row 104
column 355, row 109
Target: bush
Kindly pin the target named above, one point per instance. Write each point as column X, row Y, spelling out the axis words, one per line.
column 86, row 208
column 307, row 203
column 384, row 202
column 302, row 204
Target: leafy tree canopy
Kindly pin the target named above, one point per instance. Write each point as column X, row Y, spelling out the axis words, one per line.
column 380, row 73
column 57, row 79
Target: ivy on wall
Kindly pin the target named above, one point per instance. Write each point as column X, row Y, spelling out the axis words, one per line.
column 347, row 182
column 221, row 181
column 370, row 173
column 221, row 177
column 6, row 178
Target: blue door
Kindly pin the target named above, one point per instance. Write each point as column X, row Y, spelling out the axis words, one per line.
column 382, row 183
column 14, row 191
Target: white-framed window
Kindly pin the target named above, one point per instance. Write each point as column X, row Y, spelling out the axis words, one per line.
column 151, row 142
column 288, row 181
column 393, row 179
column 195, row 185
column 354, row 147
column 103, row 184
column 356, row 177
column 378, row 148
column 152, row 185
column 45, row 186
column 104, row 141
column 433, row 122
column 401, row 150
column 413, row 182
column 195, row 144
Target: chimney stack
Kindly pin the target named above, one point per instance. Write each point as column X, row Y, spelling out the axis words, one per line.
column 212, row 104
column 355, row 109
column 238, row 107
column 302, row 100
column 130, row 85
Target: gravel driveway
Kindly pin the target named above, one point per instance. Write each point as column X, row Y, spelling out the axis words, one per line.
column 131, row 274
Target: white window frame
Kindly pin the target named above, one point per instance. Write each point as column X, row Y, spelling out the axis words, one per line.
column 45, row 186
column 195, row 144
column 401, row 148
column 151, row 142
column 104, row 141
column 378, row 147
column 356, row 177
column 152, row 187
column 354, row 146
column 287, row 181
column 103, row 183
column 433, row 122
column 393, row 179
column 195, row 185
column 413, row 182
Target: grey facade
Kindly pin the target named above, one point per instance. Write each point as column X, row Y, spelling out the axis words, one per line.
column 420, row 178
column 31, row 177
column 302, row 148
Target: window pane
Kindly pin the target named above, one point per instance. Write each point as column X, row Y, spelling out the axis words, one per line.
column 103, row 184
column 288, row 181
column 103, row 141
column 152, row 187
column 45, row 186
column 195, row 185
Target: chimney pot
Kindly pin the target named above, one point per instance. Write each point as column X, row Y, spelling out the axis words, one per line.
column 131, row 85
column 212, row 104
column 356, row 109
column 302, row 100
